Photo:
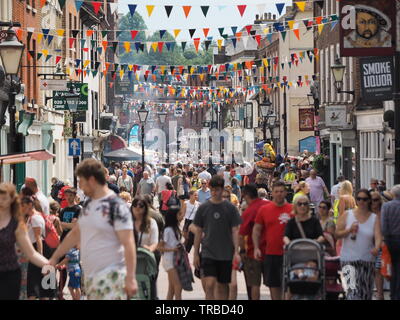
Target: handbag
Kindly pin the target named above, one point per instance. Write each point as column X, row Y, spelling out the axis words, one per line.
column 386, row 264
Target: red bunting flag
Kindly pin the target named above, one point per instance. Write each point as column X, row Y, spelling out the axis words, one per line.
column 105, row 43
column 58, row 58
column 71, row 42
column 248, row 28
column 241, row 9
column 258, row 39
column 134, row 34
column 96, row 6
column 206, row 31
column 89, row 33
column 160, row 46
column 42, row 3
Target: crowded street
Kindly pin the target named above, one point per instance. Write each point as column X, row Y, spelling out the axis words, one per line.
column 224, row 151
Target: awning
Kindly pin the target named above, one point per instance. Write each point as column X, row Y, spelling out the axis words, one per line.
column 116, row 142
column 123, row 154
column 26, row 156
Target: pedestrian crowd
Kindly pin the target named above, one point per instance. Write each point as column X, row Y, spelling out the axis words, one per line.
column 102, row 238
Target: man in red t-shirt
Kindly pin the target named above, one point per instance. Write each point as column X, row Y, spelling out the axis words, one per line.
column 270, row 222
column 252, row 267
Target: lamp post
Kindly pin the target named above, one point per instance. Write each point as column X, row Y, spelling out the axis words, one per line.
column 265, row 111
column 143, row 113
column 178, row 142
column 271, row 118
column 338, row 70
column 162, row 117
column 11, row 56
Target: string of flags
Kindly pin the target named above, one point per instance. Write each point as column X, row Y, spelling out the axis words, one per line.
column 186, row 9
column 126, row 46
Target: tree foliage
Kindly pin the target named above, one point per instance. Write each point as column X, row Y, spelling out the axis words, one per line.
column 177, row 56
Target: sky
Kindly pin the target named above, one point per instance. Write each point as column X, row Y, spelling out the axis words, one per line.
column 216, row 18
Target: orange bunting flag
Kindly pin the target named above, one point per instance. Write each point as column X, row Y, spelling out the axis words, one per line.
column 150, row 9
column 127, row 46
column 105, row 43
column 297, row 33
column 42, row 3
column 301, row 5
column 19, row 33
column 206, row 31
column 60, row 32
column 249, row 64
column 196, row 43
column 318, row 20
column 121, row 74
column 89, row 33
column 187, row 9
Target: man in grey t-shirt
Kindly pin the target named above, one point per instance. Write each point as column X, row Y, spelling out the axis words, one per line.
column 146, row 185
column 219, row 220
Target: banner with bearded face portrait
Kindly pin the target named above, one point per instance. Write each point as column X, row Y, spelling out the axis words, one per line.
column 367, row 28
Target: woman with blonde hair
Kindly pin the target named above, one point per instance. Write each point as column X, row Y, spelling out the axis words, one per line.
column 346, row 199
column 302, row 189
column 13, row 231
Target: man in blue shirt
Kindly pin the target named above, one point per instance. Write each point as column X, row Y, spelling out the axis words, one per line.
column 204, row 193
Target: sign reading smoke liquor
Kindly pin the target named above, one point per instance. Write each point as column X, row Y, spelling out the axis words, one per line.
column 377, row 78
column 367, row 28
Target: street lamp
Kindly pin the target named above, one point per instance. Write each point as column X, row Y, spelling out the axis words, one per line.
column 271, row 124
column 11, row 56
column 265, row 110
column 338, row 70
column 178, row 142
column 143, row 113
column 163, row 117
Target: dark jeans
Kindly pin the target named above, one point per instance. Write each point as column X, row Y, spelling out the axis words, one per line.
column 393, row 244
column 10, row 284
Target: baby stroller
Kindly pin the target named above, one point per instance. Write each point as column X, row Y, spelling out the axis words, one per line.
column 304, row 270
column 146, row 272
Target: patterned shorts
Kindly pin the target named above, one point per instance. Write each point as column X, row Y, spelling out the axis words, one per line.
column 107, row 284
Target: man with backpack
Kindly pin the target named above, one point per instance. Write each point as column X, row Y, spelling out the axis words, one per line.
column 68, row 217
column 104, row 232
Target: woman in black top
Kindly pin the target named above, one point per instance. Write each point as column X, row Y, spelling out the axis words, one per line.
column 311, row 226
column 13, row 231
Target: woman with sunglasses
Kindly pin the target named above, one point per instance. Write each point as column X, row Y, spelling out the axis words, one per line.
column 328, row 227
column 311, row 226
column 359, row 228
column 376, row 206
column 146, row 229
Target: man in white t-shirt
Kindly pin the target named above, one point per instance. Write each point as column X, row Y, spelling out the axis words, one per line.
column 44, row 202
column 161, row 182
column 204, row 174
column 105, row 234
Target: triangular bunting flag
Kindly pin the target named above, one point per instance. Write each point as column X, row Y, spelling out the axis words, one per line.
column 183, row 45
column 104, row 33
column 154, row 46
column 191, row 32
column 60, row 32
column 176, row 32
column 49, row 39
column 39, row 55
column 279, row 7
column 42, row 3
column 58, row 59
column 234, row 40
column 258, row 39
column 206, row 31
column 205, row 10
column 320, row 28
column 283, row 33
column 234, row 29
column 301, row 5
column 78, row 4
column 150, row 9
column 132, row 8
column 221, row 31
column 168, row 10
column 290, row 24
column 113, row 7
column 333, row 24
column 160, row 46
column 248, row 28
column 61, row 3
column 134, row 34
column 31, row 54
column 89, row 32
column 162, row 32
column 71, row 42
column 297, row 33
column 186, row 10
column 219, row 42
column 74, row 33
column 105, row 43
column 207, row 44
column 241, row 9
column 148, row 46
column 127, row 46
column 114, row 46
column 196, row 43
column 96, row 6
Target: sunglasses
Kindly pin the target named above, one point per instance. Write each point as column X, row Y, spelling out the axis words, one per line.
column 376, row 199
column 138, row 205
column 323, row 207
column 302, row 204
column 362, row 199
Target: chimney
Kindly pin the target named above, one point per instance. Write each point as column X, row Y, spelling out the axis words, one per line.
column 257, row 16
column 269, row 15
column 274, row 17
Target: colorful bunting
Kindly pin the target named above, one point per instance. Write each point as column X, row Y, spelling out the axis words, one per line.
column 205, row 10
column 301, row 5
column 150, row 9
column 96, row 6
column 279, row 7
column 78, row 4
column 132, row 9
column 241, row 9
column 168, row 10
column 134, row 34
column 191, row 32
column 176, row 32
column 206, row 31
column 186, row 10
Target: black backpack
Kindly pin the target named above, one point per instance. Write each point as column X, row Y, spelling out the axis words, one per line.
column 173, row 201
column 55, row 189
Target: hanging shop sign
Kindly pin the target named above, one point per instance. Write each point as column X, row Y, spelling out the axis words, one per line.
column 335, row 116
column 308, row 144
column 306, row 119
column 377, row 78
column 367, row 28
